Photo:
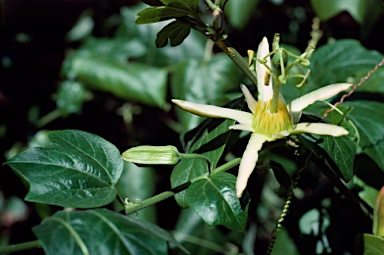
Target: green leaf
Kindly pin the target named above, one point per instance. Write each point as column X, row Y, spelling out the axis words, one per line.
column 342, row 151
column 211, row 144
column 77, row 169
column 336, row 62
column 369, row 120
column 339, row 151
column 100, row 232
column 173, row 9
column 239, row 12
column 203, row 82
column 373, row 84
column 214, row 200
column 132, row 81
column 70, row 97
column 176, row 32
column 327, row 9
column 157, row 14
column 370, row 245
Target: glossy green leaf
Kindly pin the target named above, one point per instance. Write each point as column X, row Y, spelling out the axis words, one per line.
column 214, row 200
column 369, row 120
column 204, row 82
column 130, row 81
column 211, row 144
column 373, row 84
column 100, row 232
column 239, row 12
column 342, row 151
column 70, row 97
column 175, row 32
column 77, row 169
column 172, row 9
column 337, row 61
column 161, row 13
column 327, row 9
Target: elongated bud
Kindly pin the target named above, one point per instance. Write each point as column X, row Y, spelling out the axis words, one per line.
column 152, row 155
column 378, row 214
column 276, row 41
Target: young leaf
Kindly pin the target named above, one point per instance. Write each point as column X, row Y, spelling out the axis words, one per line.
column 210, row 144
column 100, row 232
column 176, row 32
column 77, row 169
column 369, row 120
column 214, row 200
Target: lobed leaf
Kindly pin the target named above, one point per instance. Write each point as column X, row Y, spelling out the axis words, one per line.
column 100, row 232
column 157, row 14
column 176, row 32
column 214, row 200
column 77, row 169
column 211, row 144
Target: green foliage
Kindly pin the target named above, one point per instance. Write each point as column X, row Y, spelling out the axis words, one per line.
column 368, row 118
column 100, row 231
column 82, row 170
column 214, row 200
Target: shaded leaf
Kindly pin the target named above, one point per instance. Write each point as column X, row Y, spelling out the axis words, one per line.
column 211, row 144
column 335, row 62
column 70, row 97
column 176, row 32
column 131, row 81
column 342, row 151
column 214, row 200
column 239, row 12
column 204, row 82
column 77, row 169
column 368, row 244
column 338, row 151
column 327, row 9
column 157, row 14
column 369, row 120
column 100, row 232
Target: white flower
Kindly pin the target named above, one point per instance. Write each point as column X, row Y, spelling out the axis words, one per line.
column 270, row 118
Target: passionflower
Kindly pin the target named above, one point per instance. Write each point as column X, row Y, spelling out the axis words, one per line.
column 270, row 118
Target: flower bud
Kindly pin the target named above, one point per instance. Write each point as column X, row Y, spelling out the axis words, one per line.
column 152, row 155
column 378, row 214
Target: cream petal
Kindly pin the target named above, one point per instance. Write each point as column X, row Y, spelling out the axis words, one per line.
column 251, row 101
column 242, row 127
column 323, row 93
column 264, row 79
column 248, row 162
column 319, row 129
column 244, row 118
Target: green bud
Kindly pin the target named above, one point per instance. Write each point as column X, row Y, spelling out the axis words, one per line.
column 378, row 214
column 276, row 59
column 152, row 155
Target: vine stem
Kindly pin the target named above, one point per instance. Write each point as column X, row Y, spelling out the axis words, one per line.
column 286, row 207
column 226, row 47
column 19, row 247
column 133, row 207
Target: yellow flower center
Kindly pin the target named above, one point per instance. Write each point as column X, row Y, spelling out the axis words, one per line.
column 269, row 124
